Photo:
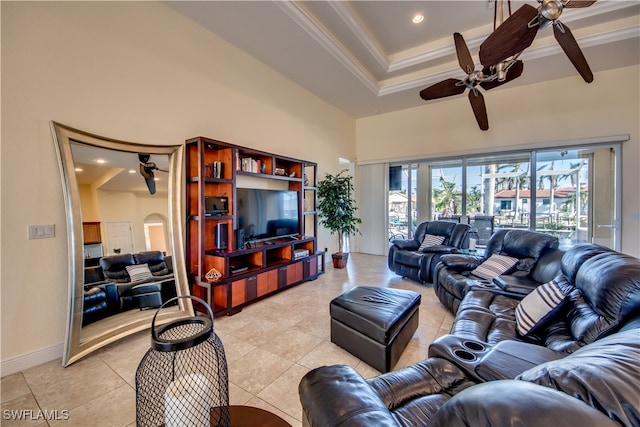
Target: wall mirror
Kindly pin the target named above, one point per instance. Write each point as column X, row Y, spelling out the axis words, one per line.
column 126, row 257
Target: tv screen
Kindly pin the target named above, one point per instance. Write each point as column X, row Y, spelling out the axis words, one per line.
column 265, row 214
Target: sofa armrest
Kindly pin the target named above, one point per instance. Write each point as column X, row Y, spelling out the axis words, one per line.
column 520, row 285
column 508, row 359
column 512, row 403
column 461, row 262
column 339, row 396
column 406, row 244
column 441, row 249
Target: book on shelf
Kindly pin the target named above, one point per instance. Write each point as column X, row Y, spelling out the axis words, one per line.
column 252, row 165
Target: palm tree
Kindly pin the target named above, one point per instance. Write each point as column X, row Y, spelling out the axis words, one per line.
column 474, row 200
column 446, row 197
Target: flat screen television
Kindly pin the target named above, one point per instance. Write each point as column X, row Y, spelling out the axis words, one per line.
column 266, row 214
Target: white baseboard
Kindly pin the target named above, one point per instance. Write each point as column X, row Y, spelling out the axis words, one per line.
column 28, row 360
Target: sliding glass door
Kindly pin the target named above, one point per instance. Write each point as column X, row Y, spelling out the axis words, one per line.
column 402, row 203
column 576, row 195
column 571, row 193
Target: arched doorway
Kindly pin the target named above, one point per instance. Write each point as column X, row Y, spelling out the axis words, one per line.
column 155, row 233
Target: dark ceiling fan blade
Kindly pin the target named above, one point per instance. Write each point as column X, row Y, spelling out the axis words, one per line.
column 147, row 174
column 464, row 56
column 479, row 108
column 511, row 37
column 443, row 89
column 580, row 3
column 570, row 46
column 514, row 72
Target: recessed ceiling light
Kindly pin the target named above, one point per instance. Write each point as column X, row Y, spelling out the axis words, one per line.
column 78, row 169
column 101, row 161
column 132, row 171
column 417, row 18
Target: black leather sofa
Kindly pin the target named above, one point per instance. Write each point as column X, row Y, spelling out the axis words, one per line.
column 579, row 369
column 121, row 292
column 100, row 297
column 407, row 260
column 538, row 262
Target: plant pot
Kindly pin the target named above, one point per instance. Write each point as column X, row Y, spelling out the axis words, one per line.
column 340, row 259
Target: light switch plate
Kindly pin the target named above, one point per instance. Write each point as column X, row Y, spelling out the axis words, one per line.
column 44, row 231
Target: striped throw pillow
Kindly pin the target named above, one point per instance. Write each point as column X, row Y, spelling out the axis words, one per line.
column 430, row 240
column 139, row 272
column 495, row 266
column 538, row 307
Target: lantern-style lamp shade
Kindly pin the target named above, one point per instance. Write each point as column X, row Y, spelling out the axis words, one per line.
column 183, row 379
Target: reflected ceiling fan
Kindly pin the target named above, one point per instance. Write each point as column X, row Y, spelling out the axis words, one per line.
column 498, row 73
column 146, row 170
column 517, row 32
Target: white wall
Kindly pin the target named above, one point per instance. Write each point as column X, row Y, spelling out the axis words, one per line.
column 133, row 71
column 560, row 110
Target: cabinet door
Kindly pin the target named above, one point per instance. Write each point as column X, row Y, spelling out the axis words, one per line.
column 267, row 282
column 91, row 232
column 244, row 290
column 310, row 267
column 238, row 292
column 294, row 273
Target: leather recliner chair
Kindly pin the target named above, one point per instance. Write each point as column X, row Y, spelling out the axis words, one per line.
column 406, row 260
column 598, row 385
column 453, row 276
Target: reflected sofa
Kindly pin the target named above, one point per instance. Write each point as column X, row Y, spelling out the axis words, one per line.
column 123, row 293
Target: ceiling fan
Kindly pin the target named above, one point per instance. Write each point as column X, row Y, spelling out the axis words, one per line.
column 146, row 170
column 487, row 78
column 517, row 32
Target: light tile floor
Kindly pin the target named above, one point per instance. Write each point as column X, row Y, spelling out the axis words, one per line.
column 269, row 347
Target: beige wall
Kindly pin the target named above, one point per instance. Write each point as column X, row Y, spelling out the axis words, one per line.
column 133, row 71
column 133, row 207
column 533, row 115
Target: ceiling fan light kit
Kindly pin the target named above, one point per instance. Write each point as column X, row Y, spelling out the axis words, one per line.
column 500, row 51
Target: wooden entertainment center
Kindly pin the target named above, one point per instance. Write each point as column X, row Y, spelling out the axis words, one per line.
column 215, row 170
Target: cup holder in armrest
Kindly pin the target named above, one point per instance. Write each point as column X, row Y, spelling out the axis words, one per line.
column 463, row 352
column 464, row 355
column 473, row 345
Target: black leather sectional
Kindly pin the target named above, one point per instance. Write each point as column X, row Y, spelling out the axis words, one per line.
column 538, row 262
column 579, row 368
column 408, row 260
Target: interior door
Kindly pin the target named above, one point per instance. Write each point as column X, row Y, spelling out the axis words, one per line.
column 119, row 237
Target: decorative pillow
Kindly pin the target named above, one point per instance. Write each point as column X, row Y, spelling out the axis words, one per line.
column 139, row 272
column 540, row 306
column 430, row 240
column 494, row 266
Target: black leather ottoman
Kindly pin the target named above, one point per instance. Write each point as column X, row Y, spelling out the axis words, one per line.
column 374, row 324
column 147, row 295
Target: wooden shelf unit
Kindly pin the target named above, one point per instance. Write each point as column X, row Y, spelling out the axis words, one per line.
column 213, row 168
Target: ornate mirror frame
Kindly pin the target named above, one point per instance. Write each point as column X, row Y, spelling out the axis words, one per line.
column 75, row 348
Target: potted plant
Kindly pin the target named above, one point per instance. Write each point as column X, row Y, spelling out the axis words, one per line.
column 337, row 211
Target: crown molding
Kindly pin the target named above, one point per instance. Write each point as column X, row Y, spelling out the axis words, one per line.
column 296, row 11
column 326, row 40
column 360, row 33
column 530, row 54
